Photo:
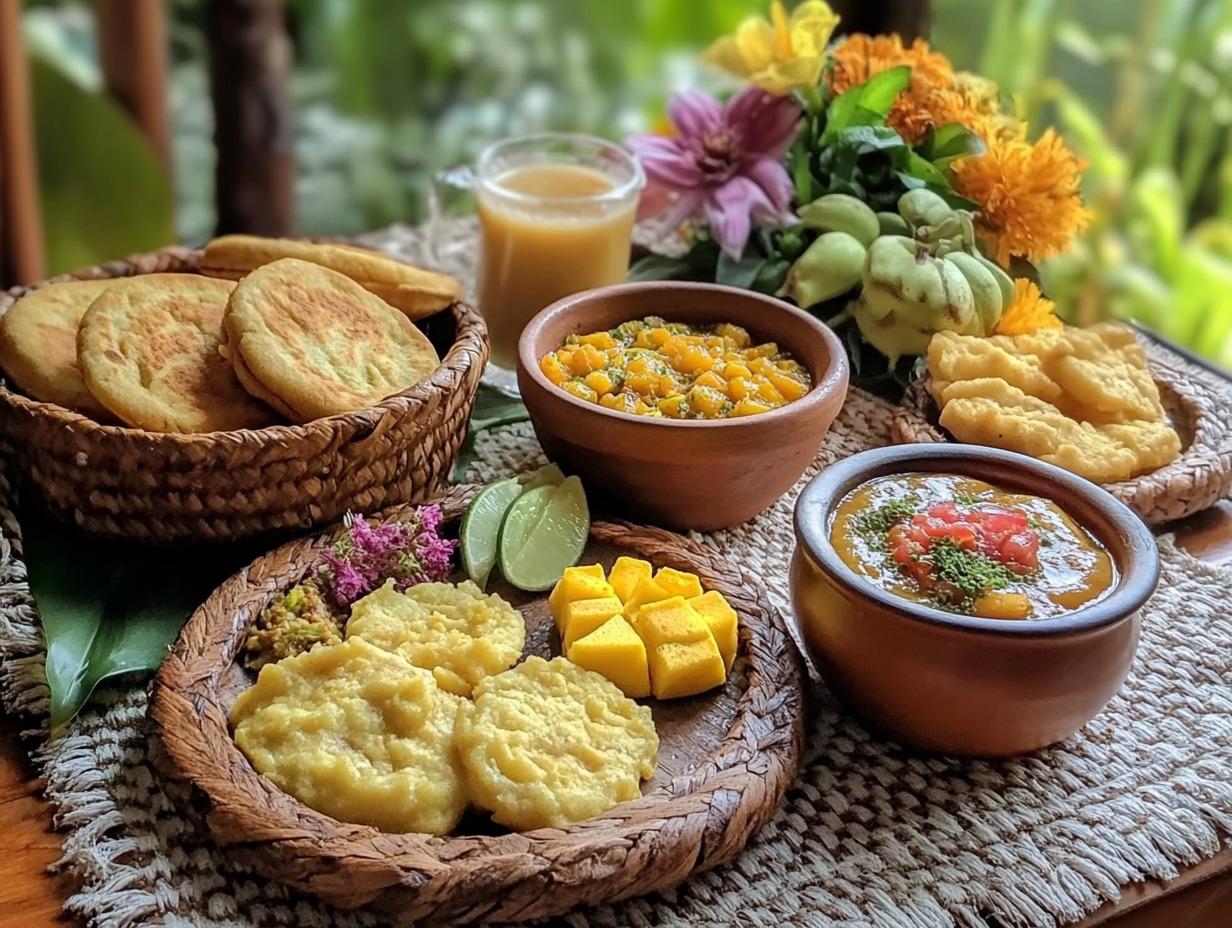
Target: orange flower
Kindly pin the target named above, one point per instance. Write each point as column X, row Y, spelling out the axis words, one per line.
column 1028, row 195
column 861, row 57
column 1029, row 312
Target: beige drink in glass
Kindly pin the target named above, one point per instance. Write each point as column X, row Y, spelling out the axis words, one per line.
column 556, row 214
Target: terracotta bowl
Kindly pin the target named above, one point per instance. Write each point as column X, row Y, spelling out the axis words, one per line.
column 956, row 684
column 682, row 474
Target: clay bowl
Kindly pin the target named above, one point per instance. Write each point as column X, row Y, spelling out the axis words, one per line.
column 682, row 474
column 956, row 684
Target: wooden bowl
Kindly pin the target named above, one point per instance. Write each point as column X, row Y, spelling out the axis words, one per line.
column 683, row 474
column 127, row 483
column 1195, row 481
column 725, row 760
column 957, row 684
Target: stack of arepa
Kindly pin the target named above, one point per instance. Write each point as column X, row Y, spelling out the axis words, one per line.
column 270, row 331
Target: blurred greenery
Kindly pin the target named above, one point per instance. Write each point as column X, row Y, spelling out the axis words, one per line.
column 388, row 92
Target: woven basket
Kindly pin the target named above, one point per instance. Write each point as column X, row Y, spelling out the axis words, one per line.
column 725, row 760
column 223, row 486
column 1195, row 481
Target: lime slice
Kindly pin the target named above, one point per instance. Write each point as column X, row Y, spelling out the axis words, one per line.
column 544, row 532
column 548, row 476
column 481, row 525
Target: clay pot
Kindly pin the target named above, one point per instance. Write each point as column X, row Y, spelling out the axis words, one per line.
column 682, row 474
column 956, row 684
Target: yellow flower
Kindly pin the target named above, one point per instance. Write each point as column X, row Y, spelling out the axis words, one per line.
column 1029, row 311
column 780, row 55
column 1028, row 194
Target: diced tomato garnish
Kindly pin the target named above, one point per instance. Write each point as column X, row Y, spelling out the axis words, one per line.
column 997, row 519
column 998, row 532
column 1020, row 552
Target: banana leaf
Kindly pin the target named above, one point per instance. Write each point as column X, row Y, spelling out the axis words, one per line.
column 104, row 194
column 109, row 609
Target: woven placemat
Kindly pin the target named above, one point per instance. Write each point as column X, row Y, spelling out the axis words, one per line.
column 871, row 834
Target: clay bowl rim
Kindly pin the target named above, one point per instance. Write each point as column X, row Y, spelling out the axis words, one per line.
column 1138, row 571
column 825, row 384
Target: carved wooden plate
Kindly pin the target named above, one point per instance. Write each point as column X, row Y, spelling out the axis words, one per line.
column 725, row 760
column 1198, row 479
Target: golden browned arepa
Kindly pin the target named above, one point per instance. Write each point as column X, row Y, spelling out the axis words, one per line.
column 148, row 348
column 416, row 292
column 321, row 343
column 38, row 345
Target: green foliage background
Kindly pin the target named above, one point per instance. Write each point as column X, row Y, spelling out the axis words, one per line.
column 388, row 92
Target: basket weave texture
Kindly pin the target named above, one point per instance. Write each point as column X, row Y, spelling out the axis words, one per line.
column 127, row 483
column 1195, row 481
column 695, row 820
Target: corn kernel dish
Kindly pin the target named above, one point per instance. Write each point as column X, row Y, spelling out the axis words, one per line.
column 653, row 368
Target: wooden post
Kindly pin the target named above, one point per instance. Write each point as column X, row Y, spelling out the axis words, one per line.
column 132, row 39
column 22, row 258
column 250, row 60
column 911, row 19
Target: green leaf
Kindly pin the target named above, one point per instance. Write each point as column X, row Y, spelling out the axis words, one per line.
column 865, row 105
column 658, row 267
column 871, row 138
column 771, row 277
column 103, row 193
column 880, row 92
column 493, row 408
column 949, row 143
column 109, row 609
column 741, row 273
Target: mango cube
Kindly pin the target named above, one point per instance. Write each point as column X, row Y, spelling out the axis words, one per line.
column 577, row 583
column 615, row 650
column 626, row 573
column 583, row 616
column 670, row 621
column 685, row 668
column 646, row 591
column 721, row 618
column 679, row 583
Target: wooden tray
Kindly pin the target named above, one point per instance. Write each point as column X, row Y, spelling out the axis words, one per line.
column 1198, row 479
column 725, row 760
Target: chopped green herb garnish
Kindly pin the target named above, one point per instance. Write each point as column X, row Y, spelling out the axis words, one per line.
column 969, row 574
column 881, row 520
column 963, row 498
column 1045, row 541
column 1034, row 522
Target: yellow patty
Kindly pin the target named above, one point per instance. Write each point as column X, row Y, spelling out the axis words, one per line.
column 548, row 743
column 321, row 343
column 148, row 349
column 459, row 633
column 416, row 292
column 38, row 345
column 356, row 733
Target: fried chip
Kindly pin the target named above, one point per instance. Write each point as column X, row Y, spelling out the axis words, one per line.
column 1082, row 399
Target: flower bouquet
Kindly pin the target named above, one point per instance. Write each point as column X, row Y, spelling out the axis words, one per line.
column 866, row 181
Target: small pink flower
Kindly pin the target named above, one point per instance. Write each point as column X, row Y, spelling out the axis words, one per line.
column 724, row 163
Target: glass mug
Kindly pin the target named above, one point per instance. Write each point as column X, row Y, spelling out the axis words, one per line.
column 556, row 215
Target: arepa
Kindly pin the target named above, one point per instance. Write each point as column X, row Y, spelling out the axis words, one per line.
column 148, row 348
column 321, row 343
column 38, row 345
column 416, row 292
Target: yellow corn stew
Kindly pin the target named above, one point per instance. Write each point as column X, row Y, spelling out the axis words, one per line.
column 649, row 367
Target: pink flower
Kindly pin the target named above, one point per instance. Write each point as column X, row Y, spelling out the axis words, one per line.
column 724, row 163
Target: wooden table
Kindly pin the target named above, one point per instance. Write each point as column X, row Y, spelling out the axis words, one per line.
column 31, row 897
